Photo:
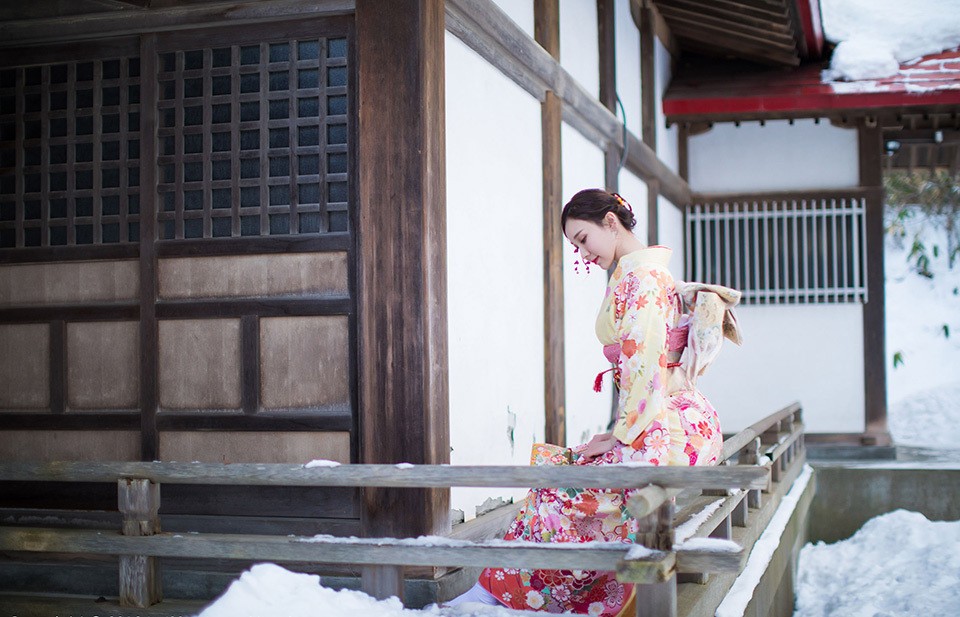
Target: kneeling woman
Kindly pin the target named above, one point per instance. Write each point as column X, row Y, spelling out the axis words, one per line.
column 658, row 345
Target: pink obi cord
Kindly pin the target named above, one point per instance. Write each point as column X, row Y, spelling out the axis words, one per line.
column 676, row 341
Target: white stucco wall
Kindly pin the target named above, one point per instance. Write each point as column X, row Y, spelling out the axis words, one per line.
column 775, row 157
column 587, row 411
column 579, row 47
column 671, row 232
column 810, row 353
column 807, row 353
column 634, row 190
column 520, row 11
column 494, row 269
column 628, row 65
column 666, row 137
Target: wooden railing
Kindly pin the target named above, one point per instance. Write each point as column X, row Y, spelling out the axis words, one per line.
column 673, row 504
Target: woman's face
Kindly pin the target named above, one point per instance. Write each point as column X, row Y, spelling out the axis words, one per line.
column 597, row 243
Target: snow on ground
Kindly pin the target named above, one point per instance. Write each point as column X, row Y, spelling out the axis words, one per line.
column 268, row 590
column 897, row 564
column 875, row 36
column 923, row 327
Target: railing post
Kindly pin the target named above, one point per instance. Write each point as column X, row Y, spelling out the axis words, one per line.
column 658, row 599
column 382, row 582
column 139, row 503
column 656, row 532
column 751, row 456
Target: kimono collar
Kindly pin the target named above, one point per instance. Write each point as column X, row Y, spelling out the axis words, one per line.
column 649, row 256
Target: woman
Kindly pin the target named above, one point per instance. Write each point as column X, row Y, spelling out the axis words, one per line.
column 657, row 348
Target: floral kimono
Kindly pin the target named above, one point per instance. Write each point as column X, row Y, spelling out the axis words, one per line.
column 660, row 335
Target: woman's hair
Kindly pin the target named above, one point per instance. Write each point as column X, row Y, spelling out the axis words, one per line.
column 593, row 204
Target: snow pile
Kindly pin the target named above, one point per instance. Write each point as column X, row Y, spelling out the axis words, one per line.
column 736, row 601
column 267, row 590
column 875, row 36
column 897, row 564
column 321, row 462
column 923, row 333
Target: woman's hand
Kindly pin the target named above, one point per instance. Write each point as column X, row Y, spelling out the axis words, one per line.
column 598, row 446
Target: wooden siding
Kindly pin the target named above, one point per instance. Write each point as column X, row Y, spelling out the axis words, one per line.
column 162, row 335
column 261, row 447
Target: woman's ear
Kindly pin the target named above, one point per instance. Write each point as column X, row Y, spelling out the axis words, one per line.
column 610, row 220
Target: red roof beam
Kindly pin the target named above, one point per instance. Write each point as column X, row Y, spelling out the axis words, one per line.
column 822, row 102
column 809, row 13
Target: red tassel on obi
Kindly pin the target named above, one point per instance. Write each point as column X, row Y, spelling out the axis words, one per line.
column 598, row 382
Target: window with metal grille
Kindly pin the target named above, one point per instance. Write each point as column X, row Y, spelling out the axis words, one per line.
column 253, row 139
column 787, row 249
column 69, row 153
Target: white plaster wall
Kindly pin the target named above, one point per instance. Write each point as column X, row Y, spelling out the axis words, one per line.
column 672, row 233
column 628, row 65
column 666, row 138
column 634, row 190
column 775, row 157
column 812, row 354
column 579, row 48
column 520, row 11
column 495, row 269
column 587, row 411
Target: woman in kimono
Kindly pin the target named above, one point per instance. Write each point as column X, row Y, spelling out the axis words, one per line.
column 658, row 345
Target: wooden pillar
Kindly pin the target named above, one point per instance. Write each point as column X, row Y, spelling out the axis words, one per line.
column 547, row 33
column 874, row 313
column 149, row 336
column 606, row 37
column 648, row 111
column 139, row 502
column 402, row 300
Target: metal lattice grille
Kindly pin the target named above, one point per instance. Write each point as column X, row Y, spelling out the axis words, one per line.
column 69, row 153
column 253, row 140
column 786, row 250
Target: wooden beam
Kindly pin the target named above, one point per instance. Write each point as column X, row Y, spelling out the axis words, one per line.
column 769, row 32
column 547, row 33
column 402, row 307
column 484, row 27
column 124, row 22
column 742, row 15
column 874, row 311
column 149, row 334
column 695, row 41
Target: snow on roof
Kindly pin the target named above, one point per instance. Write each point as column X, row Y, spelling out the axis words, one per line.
column 889, row 53
column 875, row 37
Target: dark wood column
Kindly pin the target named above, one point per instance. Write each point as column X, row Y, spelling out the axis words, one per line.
column 402, row 299
column 149, row 336
column 648, row 112
column 874, row 313
column 547, row 33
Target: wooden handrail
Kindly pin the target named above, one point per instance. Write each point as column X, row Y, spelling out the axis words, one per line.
column 769, row 450
column 414, row 476
column 743, row 438
column 354, row 551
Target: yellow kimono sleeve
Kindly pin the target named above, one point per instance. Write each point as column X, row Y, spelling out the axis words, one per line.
column 642, row 313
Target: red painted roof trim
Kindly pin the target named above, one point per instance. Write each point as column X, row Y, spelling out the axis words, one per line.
column 811, row 102
column 809, row 12
column 932, row 80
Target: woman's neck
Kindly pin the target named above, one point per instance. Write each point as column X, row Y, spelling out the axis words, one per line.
column 629, row 244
